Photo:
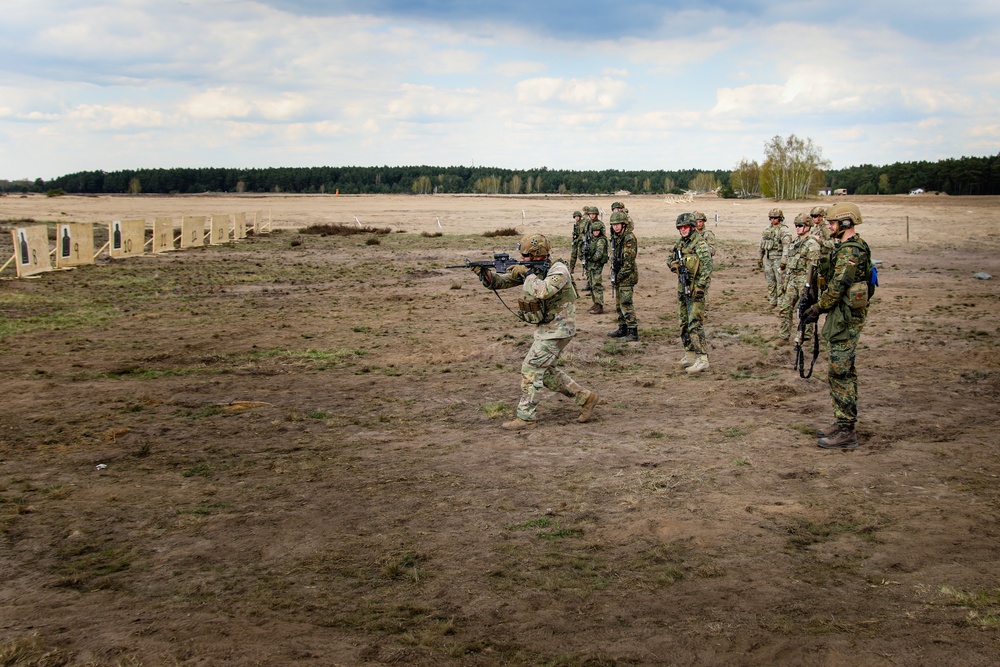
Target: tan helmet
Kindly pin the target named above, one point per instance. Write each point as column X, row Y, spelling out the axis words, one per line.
column 803, row 220
column 698, row 215
column 776, row 213
column 534, row 245
column 818, row 211
column 844, row 213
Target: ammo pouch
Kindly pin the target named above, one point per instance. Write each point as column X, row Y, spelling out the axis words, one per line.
column 857, row 296
column 534, row 312
column 691, row 263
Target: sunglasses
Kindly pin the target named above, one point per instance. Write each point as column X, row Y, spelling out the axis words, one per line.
column 774, row 218
column 799, row 224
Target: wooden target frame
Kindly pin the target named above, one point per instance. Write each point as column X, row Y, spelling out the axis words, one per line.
column 74, row 244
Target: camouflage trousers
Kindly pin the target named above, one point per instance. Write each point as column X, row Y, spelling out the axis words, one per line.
column 625, row 306
column 788, row 305
column 691, row 315
column 772, row 273
column 594, row 280
column 538, row 371
column 843, row 375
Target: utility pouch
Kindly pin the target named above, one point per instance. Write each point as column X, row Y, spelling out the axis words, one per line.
column 691, row 263
column 534, row 312
column 857, row 296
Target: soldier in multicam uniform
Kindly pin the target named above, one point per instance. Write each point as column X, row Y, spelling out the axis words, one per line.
column 772, row 251
column 819, row 228
column 578, row 232
column 707, row 234
column 595, row 259
column 845, row 288
column 624, row 276
column 803, row 256
column 691, row 309
column 548, row 300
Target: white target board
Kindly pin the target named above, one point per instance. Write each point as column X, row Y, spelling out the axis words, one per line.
column 256, row 222
column 192, row 231
column 163, row 234
column 74, row 244
column 220, row 230
column 31, row 250
column 239, row 226
column 126, row 238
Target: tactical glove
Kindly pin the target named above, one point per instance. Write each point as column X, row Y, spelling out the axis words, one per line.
column 760, row 262
column 519, row 271
column 811, row 314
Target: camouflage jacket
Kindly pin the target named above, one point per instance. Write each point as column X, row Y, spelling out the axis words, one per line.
column 598, row 249
column 774, row 242
column 850, row 262
column 556, row 293
column 579, row 229
column 709, row 237
column 624, row 248
column 804, row 252
column 695, row 248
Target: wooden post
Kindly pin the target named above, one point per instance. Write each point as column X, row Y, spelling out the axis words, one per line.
column 907, row 229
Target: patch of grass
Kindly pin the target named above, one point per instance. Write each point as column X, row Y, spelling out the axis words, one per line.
column 49, row 313
column 198, row 470
column 317, row 414
column 753, row 339
column 403, row 565
column 342, row 230
column 495, row 410
column 507, row 231
column 208, row 411
column 655, row 435
column 87, row 566
column 734, row 432
column 30, row 651
column 538, row 522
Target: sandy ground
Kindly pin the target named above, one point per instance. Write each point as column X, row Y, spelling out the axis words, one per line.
column 302, row 461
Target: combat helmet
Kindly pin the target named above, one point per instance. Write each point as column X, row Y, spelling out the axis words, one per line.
column 577, row 214
column 847, row 215
column 803, row 220
column 698, row 215
column 534, row 245
column 597, row 225
column 617, row 204
column 685, row 219
column 619, row 218
column 818, row 210
column 776, row 213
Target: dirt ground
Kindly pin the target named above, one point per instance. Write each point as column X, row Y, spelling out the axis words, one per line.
column 288, row 451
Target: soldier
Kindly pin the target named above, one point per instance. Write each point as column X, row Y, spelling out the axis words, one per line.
column 595, row 259
column 620, row 207
column 819, row 229
column 707, row 234
column 585, row 241
column 845, row 282
column 548, row 301
column 803, row 255
column 624, row 276
column 578, row 230
column 772, row 251
column 691, row 260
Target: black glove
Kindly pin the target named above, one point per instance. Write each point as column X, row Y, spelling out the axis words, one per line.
column 811, row 314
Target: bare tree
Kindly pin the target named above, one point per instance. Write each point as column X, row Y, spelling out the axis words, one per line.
column 745, row 179
column 704, row 182
column 792, row 168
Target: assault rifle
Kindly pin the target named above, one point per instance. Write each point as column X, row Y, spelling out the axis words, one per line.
column 809, row 297
column 502, row 263
column 683, row 275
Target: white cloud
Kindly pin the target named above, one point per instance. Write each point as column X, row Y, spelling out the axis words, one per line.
column 593, row 94
column 426, row 103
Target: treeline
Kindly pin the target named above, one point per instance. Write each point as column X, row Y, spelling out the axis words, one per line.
column 962, row 176
column 373, row 180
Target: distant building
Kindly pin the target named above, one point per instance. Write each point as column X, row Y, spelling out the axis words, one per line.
column 917, row 191
column 824, row 192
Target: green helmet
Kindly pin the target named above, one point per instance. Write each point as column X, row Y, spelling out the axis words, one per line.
column 617, row 204
column 844, row 213
column 698, row 215
column 577, row 214
column 619, row 218
column 590, row 209
column 597, row 225
column 534, row 245
column 776, row 213
column 685, row 219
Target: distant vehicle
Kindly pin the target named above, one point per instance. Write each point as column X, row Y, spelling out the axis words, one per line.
column 917, row 191
column 840, row 192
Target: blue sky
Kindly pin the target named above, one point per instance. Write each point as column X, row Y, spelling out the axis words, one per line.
column 120, row 84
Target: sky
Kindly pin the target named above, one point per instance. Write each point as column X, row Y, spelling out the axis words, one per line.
column 518, row 84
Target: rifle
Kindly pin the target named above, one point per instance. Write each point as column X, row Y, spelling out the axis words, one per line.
column 502, row 263
column 683, row 275
column 809, row 297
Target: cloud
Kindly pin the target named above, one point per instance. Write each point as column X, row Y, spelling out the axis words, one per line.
column 592, row 94
column 422, row 104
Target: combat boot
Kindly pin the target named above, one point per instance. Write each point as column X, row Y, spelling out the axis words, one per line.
column 587, row 413
column 688, row 359
column 700, row 364
column 633, row 335
column 596, row 309
column 828, row 432
column 846, row 438
column 620, row 332
column 518, row 424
